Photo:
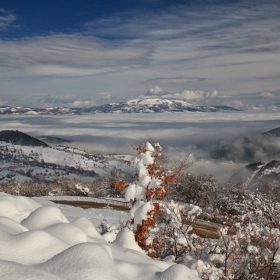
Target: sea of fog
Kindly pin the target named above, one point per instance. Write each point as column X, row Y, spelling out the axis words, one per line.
column 216, row 138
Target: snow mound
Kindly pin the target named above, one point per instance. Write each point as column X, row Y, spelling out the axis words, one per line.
column 16, row 207
column 125, row 239
column 88, row 228
column 39, row 242
column 29, row 247
column 67, row 232
column 44, row 217
column 10, row 226
column 83, row 261
column 16, row 271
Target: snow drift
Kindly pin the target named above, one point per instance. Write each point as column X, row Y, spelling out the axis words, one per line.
column 39, row 242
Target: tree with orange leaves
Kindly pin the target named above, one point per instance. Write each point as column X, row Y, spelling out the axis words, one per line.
column 145, row 194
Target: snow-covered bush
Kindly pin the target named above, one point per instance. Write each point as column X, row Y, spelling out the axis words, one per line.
column 250, row 251
column 176, row 226
column 56, row 187
column 25, row 188
column 145, row 195
column 198, row 189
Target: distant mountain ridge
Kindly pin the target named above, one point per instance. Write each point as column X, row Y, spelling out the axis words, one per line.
column 151, row 105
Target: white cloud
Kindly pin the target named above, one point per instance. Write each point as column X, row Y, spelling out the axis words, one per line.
column 85, row 103
column 186, row 95
column 192, row 95
column 63, row 55
column 154, row 91
column 6, row 19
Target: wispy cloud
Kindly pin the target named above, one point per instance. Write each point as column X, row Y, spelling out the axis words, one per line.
column 176, row 80
column 63, row 55
column 6, row 19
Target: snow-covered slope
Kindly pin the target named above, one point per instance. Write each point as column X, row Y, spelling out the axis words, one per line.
column 257, row 175
column 46, row 163
column 37, row 241
column 267, row 174
column 150, row 105
column 245, row 174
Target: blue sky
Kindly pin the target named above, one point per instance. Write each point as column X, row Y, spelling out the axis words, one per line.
column 86, row 53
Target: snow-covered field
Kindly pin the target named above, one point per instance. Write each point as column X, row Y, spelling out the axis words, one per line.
column 43, row 240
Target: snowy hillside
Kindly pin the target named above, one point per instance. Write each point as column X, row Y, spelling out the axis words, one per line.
column 38, row 241
column 45, row 163
column 151, row 105
column 267, row 174
column 257, row 175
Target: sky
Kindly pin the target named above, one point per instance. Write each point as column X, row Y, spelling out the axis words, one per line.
column 86, row 53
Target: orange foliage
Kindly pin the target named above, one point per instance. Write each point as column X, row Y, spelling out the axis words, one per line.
column 122, row 185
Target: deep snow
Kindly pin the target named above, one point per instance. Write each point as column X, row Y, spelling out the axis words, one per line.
column 42, row 240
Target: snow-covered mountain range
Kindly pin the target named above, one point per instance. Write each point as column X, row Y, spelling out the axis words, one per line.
column 151, row 105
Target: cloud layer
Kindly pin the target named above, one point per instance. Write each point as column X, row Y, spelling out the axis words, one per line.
column 62, row 55
column 208, row 135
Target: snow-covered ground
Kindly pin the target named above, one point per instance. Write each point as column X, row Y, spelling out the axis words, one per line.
column 43, row 240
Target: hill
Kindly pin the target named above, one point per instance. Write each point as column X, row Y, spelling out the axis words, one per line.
column 274, row 132
column 19, row 138
column 242, row 175
column 258, row 175
column 267, row 175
